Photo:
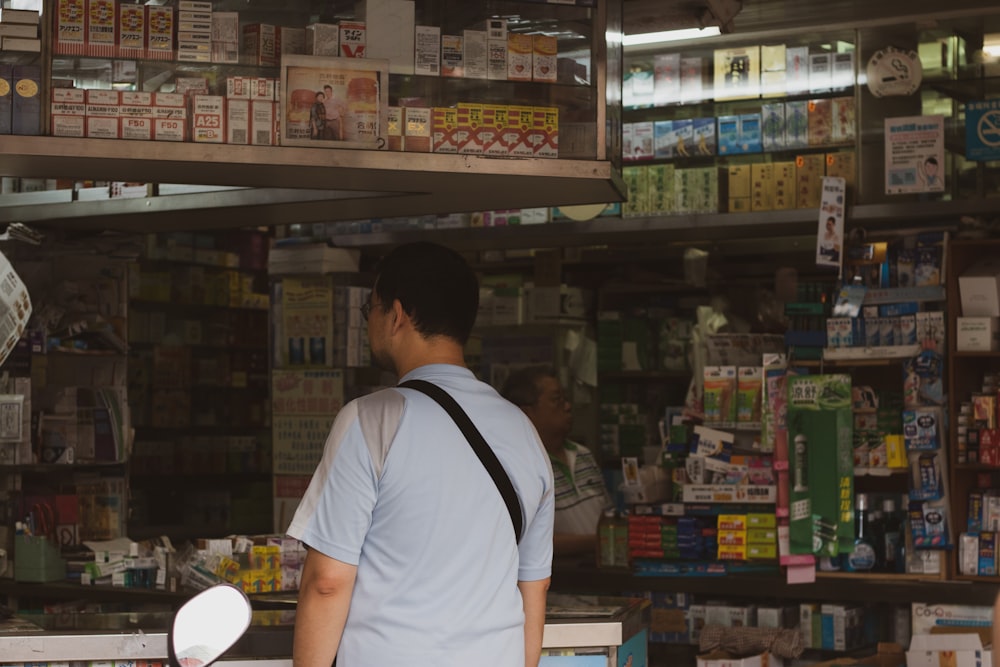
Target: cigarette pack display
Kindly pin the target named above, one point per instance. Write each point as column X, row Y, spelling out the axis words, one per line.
column 260, row 44
column 263, row 122
column 322, row 39
column 131, row 31
column 394, row 128
column 470, row 120
column 102, row 28
column 496, row 55
column 796, row 124
column 68, row 110
column 417, row 130
column 773, row 126
column 27, row 103
column 519, row 57
column 544, row 57
column 208, row 115
column 427, row 50
column 452, row 56
column 6, row 97
column 519, row 120
column 796, row 69
column 390, row 35
column 729, row 135
column 820, row 122
column 549, row 148
column 238, row 121
column 475, row 55
column 70, row 27
column 353, row 39
column 444, row 123
column 103, row 114
column 820, row 72
column 159, row 32
column 493, row 129
column 666, row 79
column 290, row 41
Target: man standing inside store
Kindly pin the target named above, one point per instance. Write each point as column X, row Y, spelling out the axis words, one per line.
column 412, row 558
column 580, row 493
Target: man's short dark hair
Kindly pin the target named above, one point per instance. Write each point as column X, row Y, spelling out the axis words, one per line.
column 435, row 286
column 521, row 387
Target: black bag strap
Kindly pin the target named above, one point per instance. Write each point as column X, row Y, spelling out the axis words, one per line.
column 483, row 451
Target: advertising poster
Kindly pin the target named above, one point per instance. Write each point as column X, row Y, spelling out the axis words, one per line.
column 821, row 464
column 830, row 235
column 914, row 154
column 334, row 102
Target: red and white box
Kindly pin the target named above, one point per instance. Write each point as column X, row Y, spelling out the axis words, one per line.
column 169, row 117
column 260, row 44
column 444, row 124
column 238, row 121
column 238, row 87
column 103, row 114
column 494, row 129
column 519, row 50
column 517, row 137
column 102, row 28
column 549, row 119
column 264, row 89
column 159, row 32
column 68, row 112
column 352, row 39
column 191, row 85
column 131, row 31
column 544, row 56
column 208, row 119
column 225, row 37
column 468, row 136
column 70, row 28
column 136, row 113
column 263, row 122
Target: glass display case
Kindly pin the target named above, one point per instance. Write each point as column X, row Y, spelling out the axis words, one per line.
column 441, row 104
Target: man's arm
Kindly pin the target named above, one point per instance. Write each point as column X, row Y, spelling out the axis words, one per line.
column 533, row 594
column 324, row 599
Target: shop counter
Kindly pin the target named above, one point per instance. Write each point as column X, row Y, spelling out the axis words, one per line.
column 580, row 631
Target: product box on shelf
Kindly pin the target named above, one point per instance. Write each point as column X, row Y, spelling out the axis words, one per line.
column 353, row 39
column 289, row 41
column 322, row 39
column 979, row 288
column 264, row 120
column 70, row 27
column 444, row 124
column 136, row 113
column 131, row 31
column 977, row 334
column 496, row 55
column 169, row 117
column 208, row 119
column 724, row 659
column 549, row 117
column 237, row 121
column 475, row 54
column 544, row 57
column 390, row 27
column 159, row 32
column 103, row 114
column 259, row 44
column 417, row 130
column 226, row 37
column 394, row 128
column 452, row 56
column 519, row 57
column 68, row 111
column 427, row 50
column 960, row 650
column 493, row 130
column 519, row 120
column 102, row 28
column 468, row 136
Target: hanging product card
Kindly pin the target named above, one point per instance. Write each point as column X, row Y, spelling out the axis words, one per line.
column 821, row 463
column 830, row 235
column 15, row 308
column 914, row 154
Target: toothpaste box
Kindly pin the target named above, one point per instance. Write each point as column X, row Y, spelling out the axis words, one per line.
column 68, row 111
column 103, row 114
column 208, row 119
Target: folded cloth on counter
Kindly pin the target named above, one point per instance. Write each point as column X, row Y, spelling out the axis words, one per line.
column 751, row 641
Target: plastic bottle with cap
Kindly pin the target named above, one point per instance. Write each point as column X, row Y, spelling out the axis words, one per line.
column 862, row 557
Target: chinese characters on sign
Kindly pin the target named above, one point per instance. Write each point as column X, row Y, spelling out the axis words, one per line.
column 914, row 154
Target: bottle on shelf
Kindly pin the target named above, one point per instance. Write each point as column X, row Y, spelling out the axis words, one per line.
column 893, row 537
column 862, row 557
column 606, row 539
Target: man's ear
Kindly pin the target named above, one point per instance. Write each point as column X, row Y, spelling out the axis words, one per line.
column 399, row 316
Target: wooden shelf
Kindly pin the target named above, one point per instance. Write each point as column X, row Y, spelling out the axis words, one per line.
column 651, row 376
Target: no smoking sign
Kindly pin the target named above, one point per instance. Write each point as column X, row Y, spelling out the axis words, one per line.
column 982, row 130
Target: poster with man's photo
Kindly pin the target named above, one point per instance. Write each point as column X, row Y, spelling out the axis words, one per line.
column 333, row 102
column 914, row 154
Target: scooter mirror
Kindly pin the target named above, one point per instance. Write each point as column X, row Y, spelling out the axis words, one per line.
column 207, row 625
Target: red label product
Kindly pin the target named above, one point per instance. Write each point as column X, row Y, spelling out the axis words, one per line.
column 169, row 117
column 259, row 44
column 68, row 112
column 549, row 119
column 159, row 32
column 444, row 124
column 71, row 27
column 208, row 116
column 131, row 31
column 352, row 39
column 102, row 28
column 103, row 114
column 519, row 122
column 493, row 130
column 468, row 137
column 136, row 112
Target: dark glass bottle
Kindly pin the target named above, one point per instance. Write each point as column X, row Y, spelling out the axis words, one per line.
column 892, row 537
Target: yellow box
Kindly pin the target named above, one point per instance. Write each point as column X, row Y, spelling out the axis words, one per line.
column 762, row 186
column 739, row 181
column 732, row 538
column 844, row 165
column 739, row 204
column 728, row 552
column 895, row 451
column 548, row 117
column 762, row 520
column 762, row 535
column 494, row 129
column 762, row 551
column 444, row 125
column 468, row 136
column 732, row 522
column 417, row 129
column 809, row 170
column 394, row 128
column 519, row 121
column 784, row 185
